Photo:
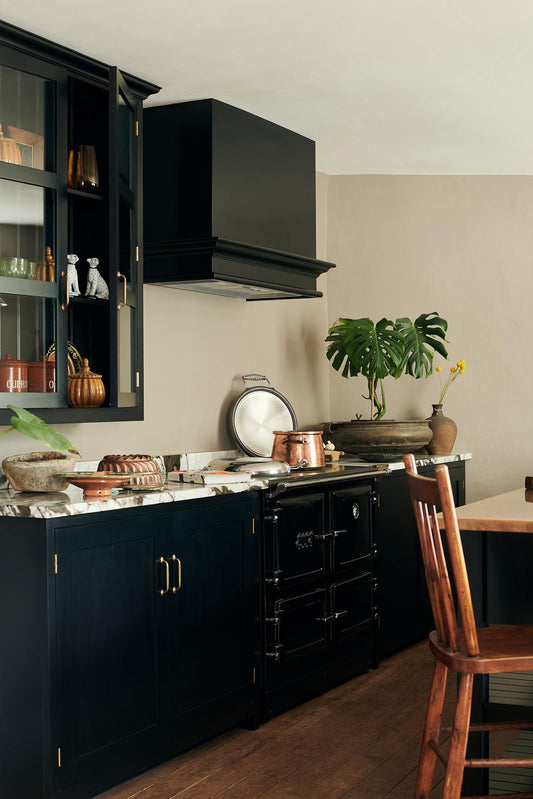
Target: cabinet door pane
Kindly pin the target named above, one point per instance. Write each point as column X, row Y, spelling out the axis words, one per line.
column 26, row 229
column 124, row 245
column 25, row 101
column 28, row 293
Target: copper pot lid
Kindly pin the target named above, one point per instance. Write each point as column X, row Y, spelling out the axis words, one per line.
column 256, row 413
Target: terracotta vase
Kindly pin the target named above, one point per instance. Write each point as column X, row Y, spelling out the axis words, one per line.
column 444, row 432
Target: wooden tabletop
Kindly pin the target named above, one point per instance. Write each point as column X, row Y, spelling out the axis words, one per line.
column 505, row 513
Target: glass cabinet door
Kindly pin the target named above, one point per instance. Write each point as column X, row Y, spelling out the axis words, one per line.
column 30, row 325
column 25, row 104
column 124, row 228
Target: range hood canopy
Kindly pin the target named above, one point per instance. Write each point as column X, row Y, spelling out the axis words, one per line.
column 229, row 203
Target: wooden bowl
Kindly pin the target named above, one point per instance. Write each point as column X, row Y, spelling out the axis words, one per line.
column 96, row 484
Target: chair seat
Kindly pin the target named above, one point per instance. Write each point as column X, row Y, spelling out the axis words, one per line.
column 502, row 648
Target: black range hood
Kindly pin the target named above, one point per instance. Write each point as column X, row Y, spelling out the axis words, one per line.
column 229, row 203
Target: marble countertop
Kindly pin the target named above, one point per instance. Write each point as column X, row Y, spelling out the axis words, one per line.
column 72, row 503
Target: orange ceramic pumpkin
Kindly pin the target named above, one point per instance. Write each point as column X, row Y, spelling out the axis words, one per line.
column 85, row 388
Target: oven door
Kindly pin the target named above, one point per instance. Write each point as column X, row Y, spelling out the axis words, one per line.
column 296, row 542
column 351, row 523
column 296, row 626
column 352, row 606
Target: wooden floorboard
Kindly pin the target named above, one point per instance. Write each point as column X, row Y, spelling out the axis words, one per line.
column 358, row 741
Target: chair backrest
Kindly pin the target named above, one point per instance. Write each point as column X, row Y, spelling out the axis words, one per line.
column 427, row 495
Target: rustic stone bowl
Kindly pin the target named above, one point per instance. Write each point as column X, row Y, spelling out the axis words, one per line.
column 39, row 472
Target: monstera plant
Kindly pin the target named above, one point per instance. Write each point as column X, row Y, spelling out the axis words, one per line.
column 378, row 350
column 386, row 349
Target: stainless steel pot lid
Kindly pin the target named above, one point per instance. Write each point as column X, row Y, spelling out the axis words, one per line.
column 256, row 413
column 255, row 466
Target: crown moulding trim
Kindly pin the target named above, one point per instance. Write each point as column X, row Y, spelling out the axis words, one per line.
column 214, row 245
column 84, row 66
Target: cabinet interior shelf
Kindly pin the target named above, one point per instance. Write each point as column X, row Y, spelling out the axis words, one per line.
column 86, row 194
column 87, row 301
column 34, row 288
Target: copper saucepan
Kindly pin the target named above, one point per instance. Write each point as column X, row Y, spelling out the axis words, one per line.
column 302, row 449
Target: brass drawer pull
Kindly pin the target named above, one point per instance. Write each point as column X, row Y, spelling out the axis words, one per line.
column 167, row 576
column 174, row 588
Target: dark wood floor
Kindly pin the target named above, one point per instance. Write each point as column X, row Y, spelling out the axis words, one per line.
column 358, row 741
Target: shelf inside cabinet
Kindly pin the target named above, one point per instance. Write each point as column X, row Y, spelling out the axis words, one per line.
column 85, row 194
column 30, row 288
column 96, row 301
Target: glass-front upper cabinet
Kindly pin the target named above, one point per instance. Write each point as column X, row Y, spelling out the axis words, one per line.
column 70, row 230
column 29, row 190
column 125, row 110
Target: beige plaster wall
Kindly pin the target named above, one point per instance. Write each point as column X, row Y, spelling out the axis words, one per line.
column 463, row 246
column 197, row 346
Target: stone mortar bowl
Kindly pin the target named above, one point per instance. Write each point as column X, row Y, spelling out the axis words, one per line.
column 39, row 472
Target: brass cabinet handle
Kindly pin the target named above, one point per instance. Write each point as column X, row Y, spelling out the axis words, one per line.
column 167, row 575
column 178, row 588
column 65, row 305
column 124, row 302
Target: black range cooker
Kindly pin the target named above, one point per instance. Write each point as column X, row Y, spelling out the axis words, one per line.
column 320, row 616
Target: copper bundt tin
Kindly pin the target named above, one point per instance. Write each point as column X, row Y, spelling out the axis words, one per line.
column 144, row 470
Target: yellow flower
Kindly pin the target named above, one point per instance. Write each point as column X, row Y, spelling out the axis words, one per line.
column 452, row 369
column 438, row 369
column 462, row 370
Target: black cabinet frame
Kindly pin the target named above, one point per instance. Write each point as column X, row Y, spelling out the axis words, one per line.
column 23, row 51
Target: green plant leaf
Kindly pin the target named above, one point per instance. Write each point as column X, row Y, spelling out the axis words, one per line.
column 360, row 347
column 30, row 425
column 422, row 338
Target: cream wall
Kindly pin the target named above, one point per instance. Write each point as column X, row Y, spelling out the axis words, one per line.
column 197, row 346
column 463, row 246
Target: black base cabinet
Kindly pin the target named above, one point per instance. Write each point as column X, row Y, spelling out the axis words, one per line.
column 128, row 636
column 404, row 610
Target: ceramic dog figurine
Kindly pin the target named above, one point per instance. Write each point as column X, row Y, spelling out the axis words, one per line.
column 72, row 275
column 96, row 285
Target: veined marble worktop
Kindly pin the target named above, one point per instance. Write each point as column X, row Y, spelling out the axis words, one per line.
column 71, row 502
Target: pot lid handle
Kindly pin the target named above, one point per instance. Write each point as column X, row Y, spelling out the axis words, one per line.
column 253, row 378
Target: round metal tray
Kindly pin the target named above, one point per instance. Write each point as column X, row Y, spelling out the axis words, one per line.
column 254, row 416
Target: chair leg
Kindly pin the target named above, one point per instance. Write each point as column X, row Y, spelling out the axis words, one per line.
column 456, row 758
column 426, row 762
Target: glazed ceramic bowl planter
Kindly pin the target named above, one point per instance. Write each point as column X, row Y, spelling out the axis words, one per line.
column 381, row 440
column 444, row 432
column 39, row 472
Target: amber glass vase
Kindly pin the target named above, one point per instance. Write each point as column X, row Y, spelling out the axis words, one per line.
column 444, row 432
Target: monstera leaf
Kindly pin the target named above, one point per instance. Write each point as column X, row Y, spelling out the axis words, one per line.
column 422, row 338
column 30, row 425
column 360, row 347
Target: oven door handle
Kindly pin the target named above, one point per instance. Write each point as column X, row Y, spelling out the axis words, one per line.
column 322, row 536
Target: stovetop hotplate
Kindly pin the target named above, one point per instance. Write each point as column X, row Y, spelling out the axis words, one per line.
column 323, row 474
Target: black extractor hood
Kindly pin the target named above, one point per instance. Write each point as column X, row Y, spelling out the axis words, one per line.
column 229, row 203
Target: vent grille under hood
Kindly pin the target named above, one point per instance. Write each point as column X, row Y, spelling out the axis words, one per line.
column 229, row 203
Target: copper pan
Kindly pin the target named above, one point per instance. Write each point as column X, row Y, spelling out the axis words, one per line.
column 302, row 449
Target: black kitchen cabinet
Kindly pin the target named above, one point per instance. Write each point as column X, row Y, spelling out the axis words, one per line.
column 53, row 101
column 135, row 638
column 320, row 616
column 404, row 610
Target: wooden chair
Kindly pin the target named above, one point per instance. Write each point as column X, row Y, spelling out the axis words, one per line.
column 465, row 650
